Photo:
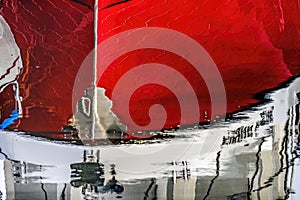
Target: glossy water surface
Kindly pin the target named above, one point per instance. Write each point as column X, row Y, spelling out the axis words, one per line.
column 253, row 156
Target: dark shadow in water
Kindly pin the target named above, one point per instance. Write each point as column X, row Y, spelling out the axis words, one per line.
column 63, row 193
column 247, row 194
column 152, row 185
column 116, row 3
column 217, row 175
column 286, row 163
column 84, row 3
column 6, row 156
column 45, row 192
column 257, row 164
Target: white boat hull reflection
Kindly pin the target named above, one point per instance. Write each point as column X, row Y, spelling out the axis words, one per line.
column 253, row 157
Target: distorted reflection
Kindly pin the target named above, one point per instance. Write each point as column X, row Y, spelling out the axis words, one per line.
column 89, row 175
column 256, row 157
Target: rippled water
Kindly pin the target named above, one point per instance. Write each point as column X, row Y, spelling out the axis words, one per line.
column 255, row 155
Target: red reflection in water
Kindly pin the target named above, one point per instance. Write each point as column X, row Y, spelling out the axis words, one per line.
column 253, row 48
column 54, row 37
column 255, row 45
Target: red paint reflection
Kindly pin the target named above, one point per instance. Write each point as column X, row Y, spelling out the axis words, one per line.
column 255, row 45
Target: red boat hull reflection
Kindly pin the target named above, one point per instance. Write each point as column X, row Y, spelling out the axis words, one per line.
column 255, row 46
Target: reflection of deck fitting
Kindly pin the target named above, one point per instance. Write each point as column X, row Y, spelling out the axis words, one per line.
column 90, row 176
column 91, row 156
column 96, row 121
column 19, row 170
column 240, row 134
column 182, row 171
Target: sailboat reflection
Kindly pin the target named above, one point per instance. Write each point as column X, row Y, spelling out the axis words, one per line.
column 256, row 157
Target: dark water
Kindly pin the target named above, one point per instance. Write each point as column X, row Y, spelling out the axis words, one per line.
column 253, row 156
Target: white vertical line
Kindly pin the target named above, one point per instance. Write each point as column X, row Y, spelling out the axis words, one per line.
column 94, row 104
column 174, row 172
column 294, row 118
column 290, row 119
column 18, row 98
column 2, row 179
column 292, row 130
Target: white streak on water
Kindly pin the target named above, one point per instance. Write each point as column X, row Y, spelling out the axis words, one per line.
column 2, row 182
column 10, row 61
